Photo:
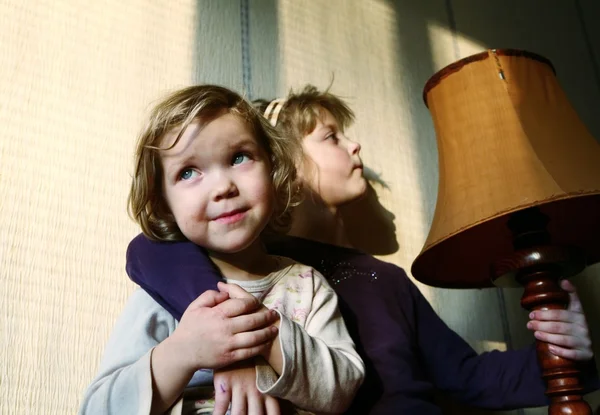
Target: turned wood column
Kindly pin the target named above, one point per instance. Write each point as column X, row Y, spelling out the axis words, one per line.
column 539, row 266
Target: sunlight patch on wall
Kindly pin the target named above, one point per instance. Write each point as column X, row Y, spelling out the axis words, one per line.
column 445, row 44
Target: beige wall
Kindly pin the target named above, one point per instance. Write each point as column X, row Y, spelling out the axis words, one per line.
column 76, row 79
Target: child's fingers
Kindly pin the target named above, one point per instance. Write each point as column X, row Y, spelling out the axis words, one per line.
column 234, row 307
column 249, row 344
column 568, row 286
column 573, row 354
column 238, row 402
column 272, row 405
column 209, row 298
column 243, row 354
column 249, row 322
column 571, row 342
column 234, row 290
column 574, row 302
column 565, row 316
column 558, row 327
column 222, row 395
column 255, row 403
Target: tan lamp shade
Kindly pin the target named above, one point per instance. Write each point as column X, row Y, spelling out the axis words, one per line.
column 508, row 139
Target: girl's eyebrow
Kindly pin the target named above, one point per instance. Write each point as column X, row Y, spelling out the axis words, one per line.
column 322, row 127
column 172, row 164
column 329, row 129
column 244, row 141
column 332, row 125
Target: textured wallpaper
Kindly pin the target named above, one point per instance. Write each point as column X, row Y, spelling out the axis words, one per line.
column 76, row 79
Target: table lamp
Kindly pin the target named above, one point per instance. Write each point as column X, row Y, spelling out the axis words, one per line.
column 519, row 191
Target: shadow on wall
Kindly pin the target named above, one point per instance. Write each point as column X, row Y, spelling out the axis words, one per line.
column 370, row 226
column 245, row 56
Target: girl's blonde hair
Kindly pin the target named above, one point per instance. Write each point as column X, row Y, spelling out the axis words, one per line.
column 300, row 111
column 146, row 202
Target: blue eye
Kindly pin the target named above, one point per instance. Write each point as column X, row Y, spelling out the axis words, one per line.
column 240, row 158
column 187, row 174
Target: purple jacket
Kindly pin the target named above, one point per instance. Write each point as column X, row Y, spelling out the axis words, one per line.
column 409, row 352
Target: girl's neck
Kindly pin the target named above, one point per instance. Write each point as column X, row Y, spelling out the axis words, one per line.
column 314, row 220
column 252, row 263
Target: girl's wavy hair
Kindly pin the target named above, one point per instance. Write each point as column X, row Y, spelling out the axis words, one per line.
column 299, row 114
column 146, row 202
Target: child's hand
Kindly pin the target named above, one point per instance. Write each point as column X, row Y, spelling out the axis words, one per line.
column 236, row 384
column 565, row 330
column 271, row 354
column 235, row 291
column 217, row 330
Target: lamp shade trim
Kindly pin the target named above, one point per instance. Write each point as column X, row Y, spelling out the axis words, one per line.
column 458, row 65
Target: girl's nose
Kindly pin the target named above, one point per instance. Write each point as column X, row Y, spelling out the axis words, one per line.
column 224, row 189
column 354, row 147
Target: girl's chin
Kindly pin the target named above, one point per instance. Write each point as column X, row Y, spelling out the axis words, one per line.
column 354, row 197
column 360, row 196
column 362, row 189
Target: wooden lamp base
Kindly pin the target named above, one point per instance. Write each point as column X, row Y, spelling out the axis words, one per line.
column 539, row 266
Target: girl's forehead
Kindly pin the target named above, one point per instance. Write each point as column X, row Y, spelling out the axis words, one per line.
column 325, row 119
column 219, row 133
column 201, row 121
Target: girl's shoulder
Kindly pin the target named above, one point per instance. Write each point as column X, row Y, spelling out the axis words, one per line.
column 142, row 308
column 339, row 264
column 141, row 323
column 307, row 251
column 321, row 255
column 140, row 300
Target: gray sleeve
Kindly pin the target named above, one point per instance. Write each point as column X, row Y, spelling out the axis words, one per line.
column 123, row 384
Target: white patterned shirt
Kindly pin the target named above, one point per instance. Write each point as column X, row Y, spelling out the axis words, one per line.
column 321, row 369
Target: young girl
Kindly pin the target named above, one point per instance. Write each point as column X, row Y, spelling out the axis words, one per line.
column 210, row 169
column 409, row 352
